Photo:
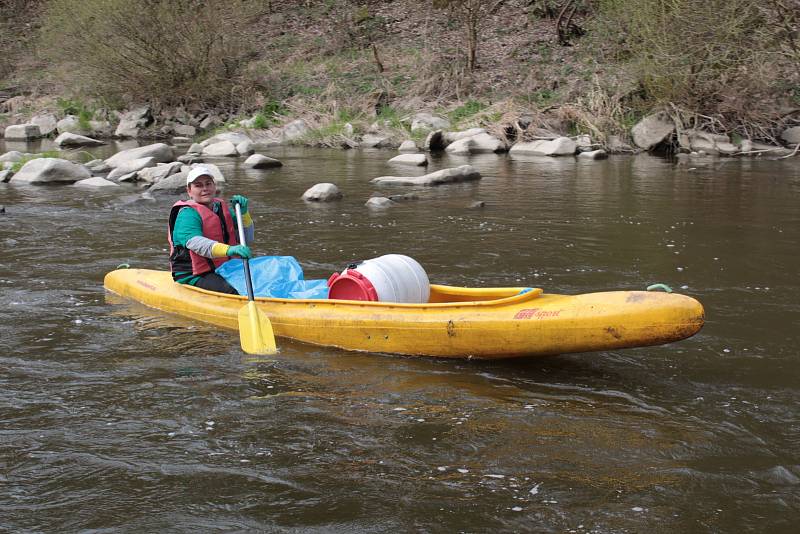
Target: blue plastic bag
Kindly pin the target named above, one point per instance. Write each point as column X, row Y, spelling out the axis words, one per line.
column 273, row 276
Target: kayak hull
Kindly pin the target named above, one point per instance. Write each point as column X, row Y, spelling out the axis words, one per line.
column 487, row 323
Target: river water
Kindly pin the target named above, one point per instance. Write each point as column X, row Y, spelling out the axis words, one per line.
column 119, row 418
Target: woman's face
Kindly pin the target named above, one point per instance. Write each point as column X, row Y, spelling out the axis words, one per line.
column 202, row 190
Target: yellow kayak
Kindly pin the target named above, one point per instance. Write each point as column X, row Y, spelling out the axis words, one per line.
column 457, row 322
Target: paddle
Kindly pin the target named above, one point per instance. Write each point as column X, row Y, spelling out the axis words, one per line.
column 255, row 330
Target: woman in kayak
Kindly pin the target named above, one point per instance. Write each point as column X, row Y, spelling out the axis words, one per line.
column 202, row 234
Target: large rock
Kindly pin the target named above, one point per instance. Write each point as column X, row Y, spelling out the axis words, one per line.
column 245, row 148
column 408, row 146
column 46, row 123
column 791, row 135
column 420, row 160
column 12, row 156
column 452, row 137
column 700, row 141
column 376, row 141
column 71, row 124
column 483, row 143
column 223, row 148
column 159, row 172
column 161, row 152
column 324, row 192
column 593, row 154
column 49, row 170
column 176, row 183
column 427, row 121
column 259, row 161
column 71, row 139
column 444, row 176
column 561, row 146
column 22, row 132
column 131, row 122
column 294, row 130
column 95, row 182
column 132, row 166
column 462, row 147
column 652, row 130
column 234, row 138
column 379, row 203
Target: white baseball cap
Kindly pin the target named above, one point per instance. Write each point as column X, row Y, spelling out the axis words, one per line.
column 196, row 173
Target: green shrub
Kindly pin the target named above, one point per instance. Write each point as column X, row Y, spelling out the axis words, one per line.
column 715, row 64
column 167, row 53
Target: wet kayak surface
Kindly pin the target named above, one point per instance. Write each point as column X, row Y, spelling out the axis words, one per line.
column 118, row 417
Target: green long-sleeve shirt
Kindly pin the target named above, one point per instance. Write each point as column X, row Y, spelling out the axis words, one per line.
column 188, row 233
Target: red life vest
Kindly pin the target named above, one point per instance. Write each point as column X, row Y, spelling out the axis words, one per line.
column 217, row 226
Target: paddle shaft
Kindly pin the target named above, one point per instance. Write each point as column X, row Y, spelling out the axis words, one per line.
column 247, row 278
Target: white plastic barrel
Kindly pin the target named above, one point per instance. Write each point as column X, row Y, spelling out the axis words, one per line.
column 397, row 278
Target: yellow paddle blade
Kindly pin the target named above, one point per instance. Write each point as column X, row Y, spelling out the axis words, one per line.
column 255, row 331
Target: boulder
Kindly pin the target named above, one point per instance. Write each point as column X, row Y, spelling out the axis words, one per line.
column 95, row 182
column 223, row 148
column 324, row 192
column 175, row 183
column 232, row 137
column 245, row 148
column 462, row 147
column 13, row 156
column 131, row 122
column 561, row 146
column 294, row 130
column 652, row 130
column 97, row 166
column 593, row 154
column 131, row 166
column 22, row 132
column 46, row 123
column 408, row 146
column 5, row 175
column 791, row 136
column 71, row 139
column 483, row 143
column 379, row 203
column 444, row 176
column 71, row 124
column 419, row 160
column 452, row 137
column 195, row 148
column 161, row 152
column 49, row 170
column 427, row 121
column 709, row 143
column 155, row 174
column 376, row 141
column 259, row 161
